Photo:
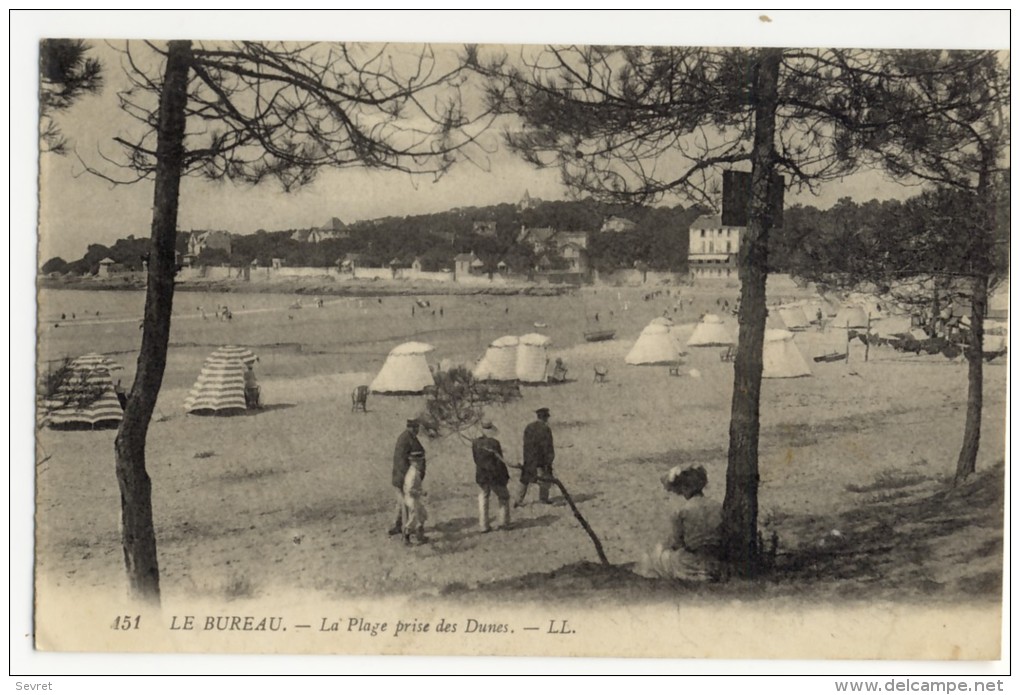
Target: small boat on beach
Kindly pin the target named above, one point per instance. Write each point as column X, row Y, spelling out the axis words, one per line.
column 600, row 335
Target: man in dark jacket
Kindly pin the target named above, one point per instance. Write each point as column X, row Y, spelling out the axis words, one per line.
column 538, row 457
column 407, row 443
column 491, row 476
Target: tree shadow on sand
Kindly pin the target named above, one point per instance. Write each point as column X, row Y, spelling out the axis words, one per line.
column 269, row 408
column 909, row 539
column 909, row 536
column 462, row 534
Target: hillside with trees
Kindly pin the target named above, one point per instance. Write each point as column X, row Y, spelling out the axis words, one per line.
column 659, row 239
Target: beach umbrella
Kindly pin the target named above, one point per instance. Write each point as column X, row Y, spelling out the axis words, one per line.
column 228, row 352
column 405, row 370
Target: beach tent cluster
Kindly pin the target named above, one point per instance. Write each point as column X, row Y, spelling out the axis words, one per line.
column 219, row 389
column 509, row 358
column 87, row 397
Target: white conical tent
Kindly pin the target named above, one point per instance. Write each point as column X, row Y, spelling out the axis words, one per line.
column 654, row 346
column 794, row 317
column 851, row 316
column 87, row 397
column 532, row 361
column 774, row 320
column 500, row 360
column 405, row 370
column 710, row 332
column 781, row 358
column 220, row 386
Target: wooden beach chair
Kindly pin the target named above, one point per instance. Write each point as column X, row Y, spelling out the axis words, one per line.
column 359, row 399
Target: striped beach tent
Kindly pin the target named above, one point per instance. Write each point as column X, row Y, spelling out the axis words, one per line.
column 229, row 352
column 220, row 385
column 87, row 397
column 405, row 370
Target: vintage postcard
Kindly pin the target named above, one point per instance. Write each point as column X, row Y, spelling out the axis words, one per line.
column 521, row 349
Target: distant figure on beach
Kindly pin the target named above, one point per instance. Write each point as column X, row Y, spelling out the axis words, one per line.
column 414, row 499
column 407, row 443
column 596, row 317
column 491, row 476
column 690, row 550
column 63, row 317
column 73, row 316
column 539, row 453
column 440, row 312
column 412, row 311
column 251, row 388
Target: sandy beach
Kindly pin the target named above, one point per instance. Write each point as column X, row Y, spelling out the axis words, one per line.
column 296, row 497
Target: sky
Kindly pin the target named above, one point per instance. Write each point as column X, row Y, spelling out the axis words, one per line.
column 76, row 208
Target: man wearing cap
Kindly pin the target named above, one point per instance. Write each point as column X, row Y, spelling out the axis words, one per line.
column 407, row 443
column 491, row 476
column 538, row 457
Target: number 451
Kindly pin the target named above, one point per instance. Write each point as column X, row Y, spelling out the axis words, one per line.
column 126, row 622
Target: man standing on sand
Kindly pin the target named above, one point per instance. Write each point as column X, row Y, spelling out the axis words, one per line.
column 407, row 444
column 491, row 476
column 539, row 453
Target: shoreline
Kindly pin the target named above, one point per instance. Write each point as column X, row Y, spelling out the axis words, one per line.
column 310, row 286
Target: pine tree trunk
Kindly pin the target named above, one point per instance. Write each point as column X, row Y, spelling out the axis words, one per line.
column 740, row 507
column 138, row 534
column 967, row 462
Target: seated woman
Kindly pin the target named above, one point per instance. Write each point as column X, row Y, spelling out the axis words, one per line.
column 691, row 550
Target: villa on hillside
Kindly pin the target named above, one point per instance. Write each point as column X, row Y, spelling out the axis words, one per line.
column 199, row 241
column 549, row 244
column 486, row 228
column 617, row 225
column 333, row 229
